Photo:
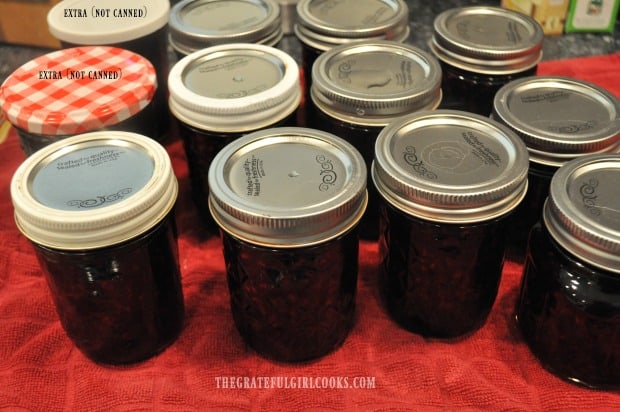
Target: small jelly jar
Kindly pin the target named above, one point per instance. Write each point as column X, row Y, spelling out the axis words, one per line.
column 198, row 24
column 79, row 90
column 220, row 93
column 141, row 28
column 448, row 181
column 98, row 209
column 558, row 118
column 569, row 307
column 480, row 50
column 288, row 201
column 322, row 25
column 358, row 88
column 288, row 15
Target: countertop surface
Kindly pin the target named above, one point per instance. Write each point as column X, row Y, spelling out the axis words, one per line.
column 422, row 14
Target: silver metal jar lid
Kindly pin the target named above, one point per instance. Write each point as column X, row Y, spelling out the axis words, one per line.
column 325, row 24
column 371, row 82
column 450, row 166
column 94, row 22
column 196, row 24
column 489, row 40
column 582, row 211
column 235, row 87
column 93, row 190
column 287, row 187
column 559, row 118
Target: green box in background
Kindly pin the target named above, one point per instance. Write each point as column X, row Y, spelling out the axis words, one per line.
column 591, row 16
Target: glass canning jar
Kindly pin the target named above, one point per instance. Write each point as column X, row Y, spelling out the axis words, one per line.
column 220, row 93
column 358, row 88
column 141, row 28
column 288, row 14
column 448, row 181
column 558, row 118
column 78, row 90
column 322, row 25
column 481, row 49
column 288, row 201
column 568, row 310
column 197, row 24
column 98, row 209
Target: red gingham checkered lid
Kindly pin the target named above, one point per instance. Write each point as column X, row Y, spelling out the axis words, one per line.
column 42, row 97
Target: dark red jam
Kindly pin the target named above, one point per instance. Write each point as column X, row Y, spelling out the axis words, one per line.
column 121, row 304
column 569, row 314
column 363, row 138
column 439, row 280
column 200, row 147
column 308, row 57
column 529, row 211
column 473, row 92
column 293, row 305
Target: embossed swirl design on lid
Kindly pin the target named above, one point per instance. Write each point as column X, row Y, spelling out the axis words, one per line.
column 372, row 82
column 582, row 212
column 93, row 190
column 287, row 187
column 450, row 166
column 490, row 40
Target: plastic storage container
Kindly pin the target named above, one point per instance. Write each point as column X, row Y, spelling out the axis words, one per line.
column 138, row 27
column 220, row 93
column 358, row 88
column 198, row 24
column 288, row 201
column 322, row 25
column 78, row 90
column 448, row 181
column 99, row 211
column 481, row 49
column 568, row 310
column 558, row 118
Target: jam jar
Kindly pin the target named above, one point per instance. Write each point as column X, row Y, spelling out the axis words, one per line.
column 558, row 118
column 480, row 50
column 288, row 201
column 78, row 90
column 322, row 25
column 220, row 93
column 358, row 88
column 98, row 209
column 197, row 24
column 569, row 306
column 141, row 28
column 288, row 15
column 448, row 181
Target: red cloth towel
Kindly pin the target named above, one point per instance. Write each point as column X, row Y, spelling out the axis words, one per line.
column 40, row 370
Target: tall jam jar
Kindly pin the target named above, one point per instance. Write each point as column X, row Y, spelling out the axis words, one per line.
column 568, row 310
column 322, row 25
column 448, row 182
column 197, row 24
column 79, row 90
column 358, row 88
column 140, row 27
column 481, row 49
column 558, row 118
column 98, row 209
column 288, row 201
column 220, row 93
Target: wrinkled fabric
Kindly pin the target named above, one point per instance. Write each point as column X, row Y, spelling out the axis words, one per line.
column 491, row 369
